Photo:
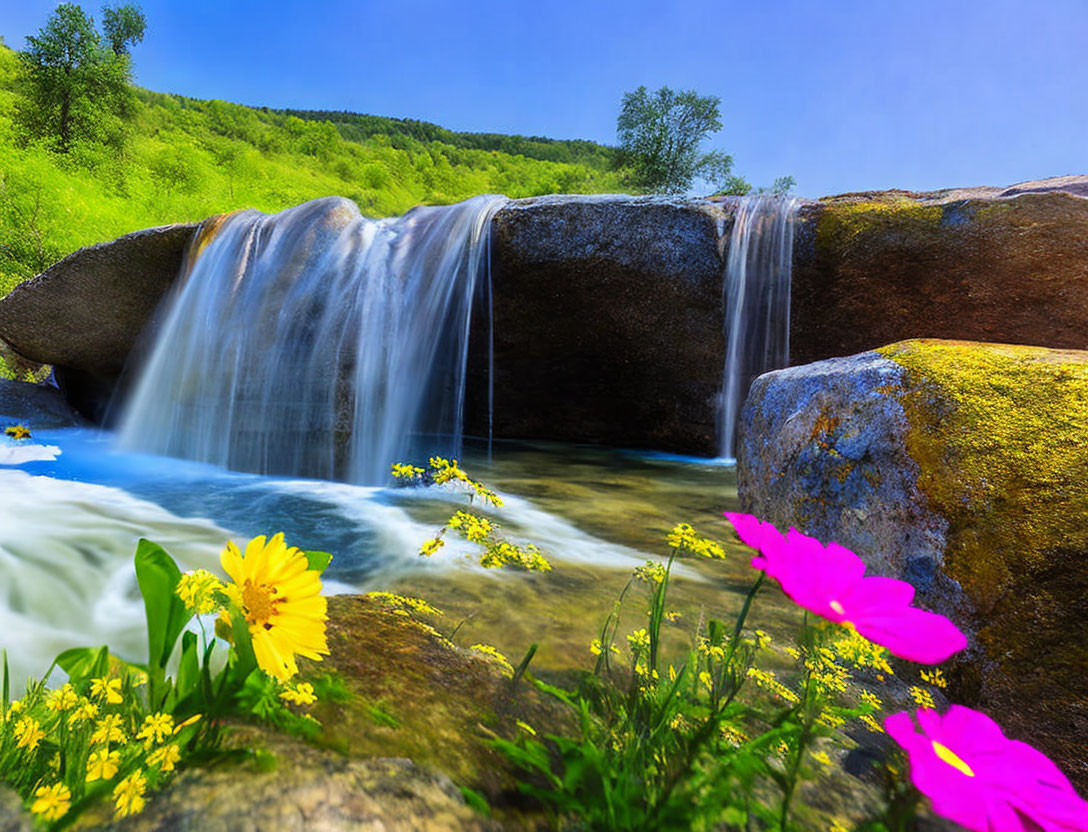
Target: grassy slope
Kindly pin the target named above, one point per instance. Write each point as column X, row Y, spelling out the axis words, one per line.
column 186, row 159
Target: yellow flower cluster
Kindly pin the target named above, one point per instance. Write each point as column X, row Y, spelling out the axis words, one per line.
column 855, row 649
column 495, row 657
column 198, row 590
column 405, row 602
column 299, row 694
column 407, row 472
column 639, row 641
column 18, row 431
column 935, row 677
column 445, row 471
column 650, row 572
column 472, row 528
column 504, row 553
column 596, row 649
column 768, row 681
column 684, row 538
column 922, row 697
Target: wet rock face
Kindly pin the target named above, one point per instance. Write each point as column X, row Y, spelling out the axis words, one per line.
column 958, row 467
column 13, row 817
column 980, row 264
column 608, row 322
column 36, row 405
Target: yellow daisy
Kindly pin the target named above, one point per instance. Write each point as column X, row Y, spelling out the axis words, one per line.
column 52, row 802
column 280, row 597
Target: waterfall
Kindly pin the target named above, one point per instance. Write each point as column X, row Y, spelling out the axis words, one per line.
column 316, row 342
column 756, row 297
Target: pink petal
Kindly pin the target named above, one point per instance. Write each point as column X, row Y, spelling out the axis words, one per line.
column 751, row 530
column 913, row 634
column 870, row 594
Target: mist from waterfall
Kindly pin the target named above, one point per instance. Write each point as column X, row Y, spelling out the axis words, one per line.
column 316, row 342
column 756, row 297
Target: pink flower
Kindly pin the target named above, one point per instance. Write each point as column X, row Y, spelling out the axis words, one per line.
column 829, row 581
column 978, row 778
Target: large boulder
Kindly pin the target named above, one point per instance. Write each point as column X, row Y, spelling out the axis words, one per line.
column 607, row 322
column 85, row 314
column 982, row 264
column 961, row 468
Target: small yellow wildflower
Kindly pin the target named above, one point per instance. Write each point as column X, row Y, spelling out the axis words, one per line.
column 28, row 732
column 108, row 689
column 639, row 640
column 682, row 536
column 18, row 431
column 62, row 699
column 922, row 697
column 406, row 602
column 156, row 728
column 733, row 735
column 84, row 711
column 165, row 757
column 406, row 472
column 650, row 572
column 596, row 650
column 495, row 657
column 431, row 546
column 831, row 720
column 763, row 640
column 767, row 680
column 103, row 764
column 935, row 678
column 108, row 730
column 190, row 721
column 672, row 617
column 870, row 723
column 837, row 825
column 822, row 758
column 52, row 802
column 706, row 681
column 300, row 694
column 197, row 589
column 473, row 528
column 870, row 698
column 129, row 795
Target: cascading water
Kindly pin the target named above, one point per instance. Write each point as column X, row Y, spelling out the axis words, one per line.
column 316, row 343
column 756, row 295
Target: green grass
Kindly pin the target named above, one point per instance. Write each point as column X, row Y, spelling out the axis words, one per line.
column 185, row 159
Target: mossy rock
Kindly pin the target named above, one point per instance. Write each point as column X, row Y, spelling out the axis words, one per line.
column 982, row 264
column 960, row 467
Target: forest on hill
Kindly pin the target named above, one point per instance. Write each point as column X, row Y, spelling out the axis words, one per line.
column 176, row 159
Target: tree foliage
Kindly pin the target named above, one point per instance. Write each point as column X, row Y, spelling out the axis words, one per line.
column 75, row 87
column 660, row 134
column 122, row 26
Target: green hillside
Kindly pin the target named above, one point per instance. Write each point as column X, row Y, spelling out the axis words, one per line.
column 184, row 159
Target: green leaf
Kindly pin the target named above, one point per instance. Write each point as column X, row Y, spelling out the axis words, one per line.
column 188, row 668
column 158, row 576
column 318, row 561
column 476, row 801
column 84, row 662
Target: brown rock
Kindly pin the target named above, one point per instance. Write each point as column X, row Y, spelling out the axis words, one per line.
column 608, row 322
column 982, row 264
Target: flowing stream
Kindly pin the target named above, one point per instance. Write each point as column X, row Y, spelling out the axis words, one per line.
column 300, row 355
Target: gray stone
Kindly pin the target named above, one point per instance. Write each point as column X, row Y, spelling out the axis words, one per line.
column 36, row 405
column 296, row 787
column 13, row 817
column 87, row 311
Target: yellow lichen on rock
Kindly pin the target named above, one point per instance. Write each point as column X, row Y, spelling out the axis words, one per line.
column 1000, row 434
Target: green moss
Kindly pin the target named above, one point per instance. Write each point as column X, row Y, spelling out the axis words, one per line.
column 1001, row 437
column 841, row 224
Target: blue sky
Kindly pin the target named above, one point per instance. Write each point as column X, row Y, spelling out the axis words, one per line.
column 843, row 95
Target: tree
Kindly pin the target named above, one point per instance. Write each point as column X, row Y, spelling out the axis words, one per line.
column 75, row 88
column 660, row 134
column 123, row 25
column 783, row 185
